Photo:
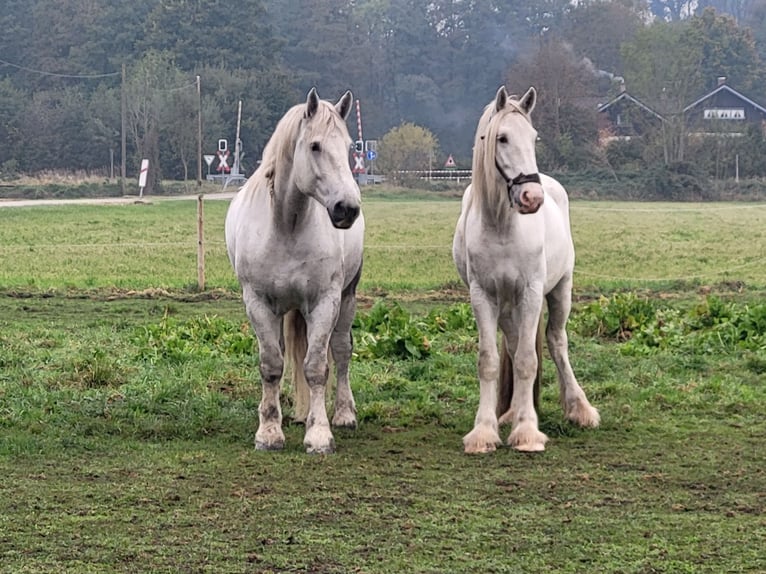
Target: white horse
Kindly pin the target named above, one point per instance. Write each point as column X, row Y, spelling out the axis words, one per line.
column 294, row 234
column 512, row 247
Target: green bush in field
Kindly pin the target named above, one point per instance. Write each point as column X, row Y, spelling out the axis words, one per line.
column 388, row 330
column 179, row 341
column 615, row 317
column 644, row 326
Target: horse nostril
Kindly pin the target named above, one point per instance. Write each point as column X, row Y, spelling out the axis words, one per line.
column 528, row 198
column 344, row 214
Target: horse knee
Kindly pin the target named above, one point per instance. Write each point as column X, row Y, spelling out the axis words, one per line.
column 489, row 365
column 271, row 371
column 316, row 373
column 525, row 366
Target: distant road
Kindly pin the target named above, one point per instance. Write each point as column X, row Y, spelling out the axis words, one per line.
column 125, row 200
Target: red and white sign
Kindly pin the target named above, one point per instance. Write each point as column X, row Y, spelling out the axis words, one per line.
column 450, row 162
column 358, row 163
column 223, row 161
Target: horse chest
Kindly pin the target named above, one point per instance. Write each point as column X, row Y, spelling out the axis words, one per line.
column 285, row 281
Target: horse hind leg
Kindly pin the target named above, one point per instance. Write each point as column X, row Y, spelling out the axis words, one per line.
column 573, row 400
column 295, row 351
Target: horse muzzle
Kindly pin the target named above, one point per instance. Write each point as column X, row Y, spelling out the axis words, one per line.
column 526, row 192
column 343, row 214
column 527, row 199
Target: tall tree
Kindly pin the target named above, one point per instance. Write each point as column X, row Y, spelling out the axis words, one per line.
column 200, row 32
column 666, row 84
column 151, row 83
column 727, row 50
column 12, row 104
column 597, row 29
column 563, row 116
column 703, row 47
column 672, row 10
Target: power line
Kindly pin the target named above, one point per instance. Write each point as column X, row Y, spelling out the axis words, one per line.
column 56, row 75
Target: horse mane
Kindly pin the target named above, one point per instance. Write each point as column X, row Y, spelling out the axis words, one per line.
column 277, row 159
column 488, row 188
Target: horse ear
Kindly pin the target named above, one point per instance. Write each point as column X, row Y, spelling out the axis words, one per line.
column 312, row 103
column 528, row 101
column 344, row 104
column 501, row 98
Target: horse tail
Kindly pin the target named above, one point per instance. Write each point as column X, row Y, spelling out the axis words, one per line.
column 296, row 345
column 505, row 376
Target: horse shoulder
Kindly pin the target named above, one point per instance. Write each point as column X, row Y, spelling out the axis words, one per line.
column 559, row 248
column 353, row 249
column 459, row 255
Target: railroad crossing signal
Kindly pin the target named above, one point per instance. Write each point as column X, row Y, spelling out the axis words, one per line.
column 223, row 160
column 358, row 163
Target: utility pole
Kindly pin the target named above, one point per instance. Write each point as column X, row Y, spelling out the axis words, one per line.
column 123, row 143
column 199, row 134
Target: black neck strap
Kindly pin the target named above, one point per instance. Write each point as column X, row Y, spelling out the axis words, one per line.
column 519, row 179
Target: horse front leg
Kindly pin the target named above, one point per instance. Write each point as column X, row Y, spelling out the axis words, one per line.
column 268, row 331
column 484, row 437
column 522, row 329
column 341, row 345
column 319, row 324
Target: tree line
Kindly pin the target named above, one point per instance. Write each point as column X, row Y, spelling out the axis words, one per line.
column 433, row 64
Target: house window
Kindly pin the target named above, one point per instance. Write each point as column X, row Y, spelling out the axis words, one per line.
column 724, row 114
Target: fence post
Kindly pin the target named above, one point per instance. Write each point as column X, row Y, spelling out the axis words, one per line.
column 200, row 244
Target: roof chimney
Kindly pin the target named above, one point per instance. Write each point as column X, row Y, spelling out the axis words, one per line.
column 622, row 87
column 721, row 80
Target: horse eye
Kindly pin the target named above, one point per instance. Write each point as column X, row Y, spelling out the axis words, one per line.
column 503, row 139
column 315, row 146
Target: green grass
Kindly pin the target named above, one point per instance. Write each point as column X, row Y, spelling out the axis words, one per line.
column 407, row 246
column 128, row 405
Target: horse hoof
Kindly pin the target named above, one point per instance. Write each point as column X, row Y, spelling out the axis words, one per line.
column 584, row 415
column 530, row 447
column 527, row 440
column 481, row 441
column 326, row 449
column 344, row 422
column 480, row 449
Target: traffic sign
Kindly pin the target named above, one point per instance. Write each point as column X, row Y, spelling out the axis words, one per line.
column 223, row 161
column 372, row 155
column 358, row 163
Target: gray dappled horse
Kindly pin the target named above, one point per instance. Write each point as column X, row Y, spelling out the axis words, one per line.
column 294, row 235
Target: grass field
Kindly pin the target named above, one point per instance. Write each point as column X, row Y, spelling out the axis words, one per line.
column 128, row 405
column 408, row 245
